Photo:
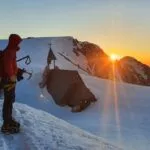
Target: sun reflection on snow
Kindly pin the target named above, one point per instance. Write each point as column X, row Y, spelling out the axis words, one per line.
column 117, row 117
column 111, row 102
column 115, row 95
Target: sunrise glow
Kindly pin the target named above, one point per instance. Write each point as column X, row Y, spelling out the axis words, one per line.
column 114, row 57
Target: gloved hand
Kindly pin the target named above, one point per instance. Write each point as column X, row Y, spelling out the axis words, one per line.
column 19, row 78
column 13, row 78
column 20, row 74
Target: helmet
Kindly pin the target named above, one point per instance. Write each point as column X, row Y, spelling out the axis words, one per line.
column 14, row 40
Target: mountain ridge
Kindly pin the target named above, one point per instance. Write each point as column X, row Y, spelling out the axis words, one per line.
column 102, row 66
column 92, row 59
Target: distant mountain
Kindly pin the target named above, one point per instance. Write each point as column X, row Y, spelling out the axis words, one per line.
column 98, row 60
column 127, row 69
column 133, row 71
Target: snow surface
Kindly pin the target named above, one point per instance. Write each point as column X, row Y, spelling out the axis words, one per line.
column 38, row 49
column 121, row 114
column 42, row 131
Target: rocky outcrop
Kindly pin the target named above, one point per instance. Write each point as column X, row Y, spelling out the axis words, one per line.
column 133, row 71
column 127, row 69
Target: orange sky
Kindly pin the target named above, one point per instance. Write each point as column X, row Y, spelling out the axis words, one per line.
column 124, row 45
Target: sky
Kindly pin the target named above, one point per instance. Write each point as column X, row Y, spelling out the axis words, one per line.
column 117, row 26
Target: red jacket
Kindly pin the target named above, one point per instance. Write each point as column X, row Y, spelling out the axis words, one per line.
column 9, row 58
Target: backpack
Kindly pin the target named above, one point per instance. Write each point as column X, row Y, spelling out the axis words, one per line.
column 1, row 56
column 1, row 53
column 1, row 61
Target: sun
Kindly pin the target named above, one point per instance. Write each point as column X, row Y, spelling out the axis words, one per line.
column 114, row 57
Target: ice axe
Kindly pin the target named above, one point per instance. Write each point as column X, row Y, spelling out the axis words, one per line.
column 29, row 73
column 27, row 61
column 21, row 72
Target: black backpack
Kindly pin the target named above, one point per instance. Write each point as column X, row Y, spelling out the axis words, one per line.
column 1, row 55
column 1, row 60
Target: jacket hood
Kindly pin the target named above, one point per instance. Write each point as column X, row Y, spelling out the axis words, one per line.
column 14, row 41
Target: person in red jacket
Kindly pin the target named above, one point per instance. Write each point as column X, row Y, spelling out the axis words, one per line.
column 8, row 77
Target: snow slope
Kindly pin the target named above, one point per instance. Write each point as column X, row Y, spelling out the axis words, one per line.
column 38, row 49
column 121, row 114
column 123, row 121
column 42, row 131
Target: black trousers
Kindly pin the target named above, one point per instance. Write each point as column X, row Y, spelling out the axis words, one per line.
column 9, row 99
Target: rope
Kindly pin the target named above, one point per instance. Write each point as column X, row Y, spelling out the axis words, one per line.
column 73, row 62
